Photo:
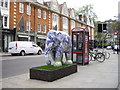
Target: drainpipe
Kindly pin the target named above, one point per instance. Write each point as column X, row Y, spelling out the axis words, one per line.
column 29, row 24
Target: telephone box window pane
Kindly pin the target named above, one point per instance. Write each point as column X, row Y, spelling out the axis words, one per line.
column 79, row 58
column 74, row 42
column 80, row 42
column 74, row 57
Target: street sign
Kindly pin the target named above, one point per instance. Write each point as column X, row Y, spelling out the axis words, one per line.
column 115, row 33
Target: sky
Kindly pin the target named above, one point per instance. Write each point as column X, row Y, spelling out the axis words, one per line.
column 104, row 9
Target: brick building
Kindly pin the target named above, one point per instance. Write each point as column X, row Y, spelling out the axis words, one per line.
column 32, row 20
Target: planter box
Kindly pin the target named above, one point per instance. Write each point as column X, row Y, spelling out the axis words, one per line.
column 51, row 75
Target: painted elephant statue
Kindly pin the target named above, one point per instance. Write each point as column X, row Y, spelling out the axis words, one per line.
column 57, row 43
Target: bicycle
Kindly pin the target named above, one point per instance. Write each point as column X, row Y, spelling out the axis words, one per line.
column 96, row 56
column 107, row 54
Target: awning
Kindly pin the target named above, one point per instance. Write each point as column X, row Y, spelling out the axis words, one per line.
column 23, row 36
column 42, row 37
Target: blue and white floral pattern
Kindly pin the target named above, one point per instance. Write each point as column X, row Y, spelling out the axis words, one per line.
column 57, row 43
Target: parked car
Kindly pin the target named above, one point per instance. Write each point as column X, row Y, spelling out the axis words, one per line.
column 109, row 47
column 24, row 47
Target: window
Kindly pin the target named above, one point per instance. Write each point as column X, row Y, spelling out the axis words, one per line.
column 5, row 21
column 6, row 3
column 54, row 21
column 39, row 27
column 28, row 26
column 21, row 7
column 44, row 14
column 65, row 11
column 28, row 10
column 72, row 24
column 65, row 24
column 55, row 7
column 44, row 28
column 65, row 21
column 39, row 13
column 40, row 1
column 1, row 3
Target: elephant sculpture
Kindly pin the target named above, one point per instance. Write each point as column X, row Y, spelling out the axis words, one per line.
column 57, row 43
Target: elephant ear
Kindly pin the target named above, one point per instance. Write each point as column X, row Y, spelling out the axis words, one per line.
column 51, row 34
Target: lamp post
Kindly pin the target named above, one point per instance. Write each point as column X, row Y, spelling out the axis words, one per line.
column 0, row 31
column 0, row 20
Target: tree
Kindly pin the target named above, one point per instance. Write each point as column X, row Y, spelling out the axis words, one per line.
column 88, row 11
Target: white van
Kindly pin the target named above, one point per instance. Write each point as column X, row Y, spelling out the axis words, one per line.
column 24, row 47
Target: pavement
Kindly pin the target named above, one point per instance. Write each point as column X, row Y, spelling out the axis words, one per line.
column 94, row 75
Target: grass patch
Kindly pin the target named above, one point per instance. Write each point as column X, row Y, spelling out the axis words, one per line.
column 50, row 67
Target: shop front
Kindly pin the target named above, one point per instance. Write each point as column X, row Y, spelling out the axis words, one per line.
column 37, row 38
column 7, row 36
column 41, row 39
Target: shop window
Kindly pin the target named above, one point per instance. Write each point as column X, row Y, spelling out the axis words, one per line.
column 39, row 13
column 21, row 7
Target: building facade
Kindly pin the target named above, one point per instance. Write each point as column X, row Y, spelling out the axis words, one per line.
column 32, row 20
column 6, row 32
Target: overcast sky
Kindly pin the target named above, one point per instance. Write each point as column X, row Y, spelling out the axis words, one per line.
column 105, row 9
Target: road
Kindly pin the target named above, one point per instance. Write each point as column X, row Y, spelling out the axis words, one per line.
column 16, row 65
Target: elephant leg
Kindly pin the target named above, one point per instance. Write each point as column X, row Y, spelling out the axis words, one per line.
column 53, row 55
column 68, row 58
column 58, row 57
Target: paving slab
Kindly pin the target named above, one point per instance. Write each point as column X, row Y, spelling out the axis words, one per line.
column 94, row 75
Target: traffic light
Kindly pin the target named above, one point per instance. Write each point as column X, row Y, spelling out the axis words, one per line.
column 99, row 27
column 104, row 26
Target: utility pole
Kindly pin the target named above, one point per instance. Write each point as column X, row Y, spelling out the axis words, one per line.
column 102, row 28
column 0, row 32
column 102, row 39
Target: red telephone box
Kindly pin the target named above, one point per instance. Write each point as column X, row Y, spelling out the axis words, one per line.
column 80, row 48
